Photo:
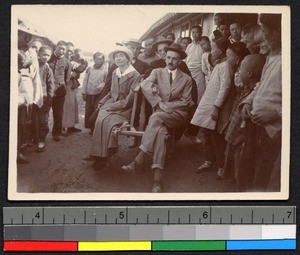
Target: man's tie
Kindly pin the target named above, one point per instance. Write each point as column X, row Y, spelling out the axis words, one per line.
column 171, row 78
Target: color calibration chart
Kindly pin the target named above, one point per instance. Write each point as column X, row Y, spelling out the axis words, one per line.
column 192, row 228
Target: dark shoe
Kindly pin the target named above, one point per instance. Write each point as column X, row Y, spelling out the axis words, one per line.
column 204, row 167
column 99, row 163
column 131, row 168
column 41, row 147
column 74, row 130
column 22, row 159
column 56, row 138
column 156, row 188
column 88, row 158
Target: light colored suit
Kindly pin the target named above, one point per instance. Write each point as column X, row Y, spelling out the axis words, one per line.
column 177, row 98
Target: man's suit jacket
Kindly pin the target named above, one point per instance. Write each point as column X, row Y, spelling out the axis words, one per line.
column 176, row 96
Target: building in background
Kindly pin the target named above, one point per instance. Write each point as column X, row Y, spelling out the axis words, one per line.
column 181, row 23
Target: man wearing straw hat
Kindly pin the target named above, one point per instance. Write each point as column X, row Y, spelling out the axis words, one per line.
column 168, row 90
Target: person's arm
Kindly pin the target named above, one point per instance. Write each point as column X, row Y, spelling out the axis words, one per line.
column 50, row 83
column 148, row 87
column 85, row 81
column 203, row 66
column 68, row 69
column 225, row 84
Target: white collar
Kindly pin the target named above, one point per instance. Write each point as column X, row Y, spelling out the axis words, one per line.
column 127, row 71
column 174, row 72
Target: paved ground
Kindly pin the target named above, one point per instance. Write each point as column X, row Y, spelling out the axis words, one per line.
column 61, row 169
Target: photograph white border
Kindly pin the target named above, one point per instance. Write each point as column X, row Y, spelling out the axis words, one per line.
column 286, row 116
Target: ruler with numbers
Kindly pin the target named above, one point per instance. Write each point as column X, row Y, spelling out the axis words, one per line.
column 182, row 228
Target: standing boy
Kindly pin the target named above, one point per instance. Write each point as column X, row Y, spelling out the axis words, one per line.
column 40, row 116
column 93, row 83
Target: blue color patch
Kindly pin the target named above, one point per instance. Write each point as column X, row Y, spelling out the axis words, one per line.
column 284, row 244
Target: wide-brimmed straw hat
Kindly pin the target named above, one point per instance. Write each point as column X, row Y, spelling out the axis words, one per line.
column 176, row 47
column 134, row 42
column 123, row 49
column 161, row 40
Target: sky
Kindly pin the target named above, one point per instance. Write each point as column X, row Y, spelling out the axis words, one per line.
column 91, row 27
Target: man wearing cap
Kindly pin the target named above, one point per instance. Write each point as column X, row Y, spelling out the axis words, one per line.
column 168, row 90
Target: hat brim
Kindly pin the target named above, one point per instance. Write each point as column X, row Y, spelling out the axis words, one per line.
column 154, row 45
column 127, row 53
column 134, row 44
column 181, row 52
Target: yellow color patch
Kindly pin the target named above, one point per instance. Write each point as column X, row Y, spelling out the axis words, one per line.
column 114, row 246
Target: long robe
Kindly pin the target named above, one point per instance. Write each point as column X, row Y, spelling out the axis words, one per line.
column 116, row 109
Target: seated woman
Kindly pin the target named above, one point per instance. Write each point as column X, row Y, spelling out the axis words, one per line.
column 115, row 107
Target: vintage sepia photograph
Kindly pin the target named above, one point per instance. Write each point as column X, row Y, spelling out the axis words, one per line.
column 149, row 102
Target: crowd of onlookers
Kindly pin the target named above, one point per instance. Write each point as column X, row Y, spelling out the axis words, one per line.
column 226, row 86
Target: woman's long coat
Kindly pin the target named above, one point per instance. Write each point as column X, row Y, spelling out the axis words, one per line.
column 116, row 109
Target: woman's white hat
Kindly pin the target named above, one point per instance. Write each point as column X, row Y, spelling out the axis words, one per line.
column 123, row 49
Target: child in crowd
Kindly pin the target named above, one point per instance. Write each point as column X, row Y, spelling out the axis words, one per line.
column 238, row 132
column 40, row 115
column 207, row 59
column 207, row 113
column 22, row 109
column 93, row 83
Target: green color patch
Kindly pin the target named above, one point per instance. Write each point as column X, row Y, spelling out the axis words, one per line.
column 188, row 245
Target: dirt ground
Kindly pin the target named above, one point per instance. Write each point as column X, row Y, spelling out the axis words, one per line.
column 61, row 168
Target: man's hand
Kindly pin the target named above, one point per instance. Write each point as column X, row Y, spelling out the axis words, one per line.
column 215, row 114
column 264, row 116
column 246, row 111
column 84, row 97
column 164, row 107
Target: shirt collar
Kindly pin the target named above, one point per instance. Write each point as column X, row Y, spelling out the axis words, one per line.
column 127, row 71
column 174, row 72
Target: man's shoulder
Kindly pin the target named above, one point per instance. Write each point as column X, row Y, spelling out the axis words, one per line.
column 184, row 75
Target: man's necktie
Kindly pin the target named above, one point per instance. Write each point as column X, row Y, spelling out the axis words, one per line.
column 171, row 78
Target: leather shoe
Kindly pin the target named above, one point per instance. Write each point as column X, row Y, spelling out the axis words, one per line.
column 129, row 168
column 74, row 130
column 156, row 188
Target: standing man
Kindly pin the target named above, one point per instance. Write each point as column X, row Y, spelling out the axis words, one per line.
column 194, row 53
column 149, row 53
column 264, row 108
column 168, row 90
column 70, row 112
column 135, row 46
column 61, row 68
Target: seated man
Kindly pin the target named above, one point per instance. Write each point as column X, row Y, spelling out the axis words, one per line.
column 168, row 90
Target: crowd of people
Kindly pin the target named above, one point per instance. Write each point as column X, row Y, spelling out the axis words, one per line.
column 222, row 90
